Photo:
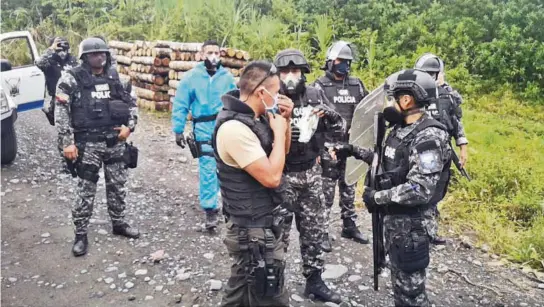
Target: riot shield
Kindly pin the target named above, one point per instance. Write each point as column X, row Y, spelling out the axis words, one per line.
column 361, row 132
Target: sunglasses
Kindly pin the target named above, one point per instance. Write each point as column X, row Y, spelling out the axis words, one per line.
column 273, row 71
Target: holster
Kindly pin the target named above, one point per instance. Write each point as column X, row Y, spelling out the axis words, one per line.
column 265, row 275
column 50, row 112
column 410, row 253
column 130, row 156
column 331, row 169
column 191, row 143
column 111, row 139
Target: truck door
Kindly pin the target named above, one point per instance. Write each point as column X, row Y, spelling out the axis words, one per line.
column 20, row 77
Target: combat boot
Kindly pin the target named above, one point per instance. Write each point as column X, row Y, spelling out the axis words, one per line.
column 318, row 290
column 124, row 229
column 212, row 219
column 80, row 245
column 350, row 231
column 326, row 245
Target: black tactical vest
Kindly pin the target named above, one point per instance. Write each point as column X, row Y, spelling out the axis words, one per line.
column 344, row 94
column 243, row 196
column 395, row 160
column 443, row 110
column 92, row 109
column 301, row 156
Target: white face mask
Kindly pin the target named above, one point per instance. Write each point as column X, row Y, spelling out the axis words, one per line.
column 274, row 108
column 213, row 59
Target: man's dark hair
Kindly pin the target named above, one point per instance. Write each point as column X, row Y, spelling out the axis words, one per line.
column 253, row 74
column 210, row 42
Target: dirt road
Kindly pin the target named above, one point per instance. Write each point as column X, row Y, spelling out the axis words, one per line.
column 39, row 270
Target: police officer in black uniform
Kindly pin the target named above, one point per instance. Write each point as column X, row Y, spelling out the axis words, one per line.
column 447, row 110
column 93, row 118
column 344, row 92
column 53, row 63
column 302, row 171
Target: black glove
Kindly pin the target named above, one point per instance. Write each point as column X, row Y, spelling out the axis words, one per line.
column 180, row 140
column 295, row 133
column 329, row 113
column 343, row 150
column 369, row 200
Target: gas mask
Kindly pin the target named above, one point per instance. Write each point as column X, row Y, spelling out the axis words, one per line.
column 63, row 54
column 212, row 62
column 292, row 84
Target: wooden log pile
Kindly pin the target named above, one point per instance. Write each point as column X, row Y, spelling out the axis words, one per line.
column 156, row 68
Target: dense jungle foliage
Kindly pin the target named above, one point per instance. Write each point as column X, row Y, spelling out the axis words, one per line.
column 494, row 54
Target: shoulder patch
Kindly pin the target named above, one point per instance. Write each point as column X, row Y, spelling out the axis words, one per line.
column 429, row 160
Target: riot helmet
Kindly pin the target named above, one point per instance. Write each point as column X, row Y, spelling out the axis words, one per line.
column 430, row 63
column 94, row 45
column 292, row 83
column 416, row 82
column 341, row 50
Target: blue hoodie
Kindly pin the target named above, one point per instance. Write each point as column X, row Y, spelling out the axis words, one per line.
column 201, row 94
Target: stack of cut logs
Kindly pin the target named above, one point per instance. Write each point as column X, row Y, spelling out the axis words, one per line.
column 121, row 51
column 155, row 68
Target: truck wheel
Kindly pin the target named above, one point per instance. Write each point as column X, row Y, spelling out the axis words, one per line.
column 9, row 144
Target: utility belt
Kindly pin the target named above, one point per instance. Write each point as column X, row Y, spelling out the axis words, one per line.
column 298, row 167
column 332, row 168
column 264, row 273
column 110, row 136
column 196, row 147
column 404, row 210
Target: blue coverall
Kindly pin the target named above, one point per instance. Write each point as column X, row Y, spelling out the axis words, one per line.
column 201, row 94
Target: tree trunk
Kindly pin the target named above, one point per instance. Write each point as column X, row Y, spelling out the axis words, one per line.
column 198, row 57
column 163, row 71
column 123, row 59
column 160, row 52
column 172, row 92
column 120, row 45
column 151, row 95
column 173, row 83
column 183, row 66
column 233, row 63
column 231, row 52
column 165, row 62
column 172, row 74
column 191, row 47
column 158, row 80
column 223, row 52
column 144, row 60
column 162, row 106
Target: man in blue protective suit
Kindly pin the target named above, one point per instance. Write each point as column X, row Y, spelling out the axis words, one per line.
column 200, row 92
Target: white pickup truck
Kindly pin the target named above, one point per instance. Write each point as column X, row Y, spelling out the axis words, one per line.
column 22, row 85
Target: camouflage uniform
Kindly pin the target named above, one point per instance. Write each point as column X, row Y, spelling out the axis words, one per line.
column 303, row 191
column 417, row 191
column 92, row 155
column 344, row 95
column 457, row 131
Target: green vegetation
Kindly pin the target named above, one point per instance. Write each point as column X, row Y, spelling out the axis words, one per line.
column 494, row 54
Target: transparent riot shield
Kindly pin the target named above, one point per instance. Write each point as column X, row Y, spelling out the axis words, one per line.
column 362, row 133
